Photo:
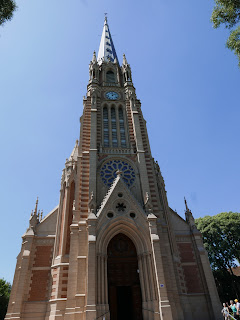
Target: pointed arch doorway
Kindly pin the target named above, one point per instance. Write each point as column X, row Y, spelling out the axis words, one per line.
column 124, row 290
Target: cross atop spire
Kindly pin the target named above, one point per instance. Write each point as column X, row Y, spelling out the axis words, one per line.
column 106, row 50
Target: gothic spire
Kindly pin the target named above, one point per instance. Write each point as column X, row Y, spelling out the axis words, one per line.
column 106, row 50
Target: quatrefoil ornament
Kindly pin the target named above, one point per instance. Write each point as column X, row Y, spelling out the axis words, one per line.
column 120, row 207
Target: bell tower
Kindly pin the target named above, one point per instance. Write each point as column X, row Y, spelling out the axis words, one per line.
column 113, row 248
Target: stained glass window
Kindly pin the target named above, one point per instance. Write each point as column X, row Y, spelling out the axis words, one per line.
column 110, row 76
column 105, row 127
column 114, row 127
column 122, row 128
column 109, row 169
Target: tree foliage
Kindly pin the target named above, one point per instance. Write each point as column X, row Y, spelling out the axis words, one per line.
column 221, row 238
column 5, row 289
column 227, row 12
column 7, row 7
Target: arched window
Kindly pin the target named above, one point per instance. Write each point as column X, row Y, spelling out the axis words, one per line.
column 105, row 128
column 110, row 76
column 114, row 127
column 122, row 128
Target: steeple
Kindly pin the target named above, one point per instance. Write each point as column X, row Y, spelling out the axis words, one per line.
column 112, row 222
column 106, row 50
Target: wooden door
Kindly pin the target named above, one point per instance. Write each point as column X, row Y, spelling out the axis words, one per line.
column 124, row 291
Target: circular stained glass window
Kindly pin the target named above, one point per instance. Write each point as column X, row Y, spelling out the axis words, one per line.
column 109, row 169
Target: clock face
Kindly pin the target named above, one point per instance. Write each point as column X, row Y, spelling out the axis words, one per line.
column 111, row 95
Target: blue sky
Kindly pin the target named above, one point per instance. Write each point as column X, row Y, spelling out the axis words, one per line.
column 186, row 79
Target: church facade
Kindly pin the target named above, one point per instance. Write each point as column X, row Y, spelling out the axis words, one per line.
column 112, row 249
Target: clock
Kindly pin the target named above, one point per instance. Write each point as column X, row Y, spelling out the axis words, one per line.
column 111, row 95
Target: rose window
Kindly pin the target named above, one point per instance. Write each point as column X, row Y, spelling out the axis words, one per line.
column 109, row 172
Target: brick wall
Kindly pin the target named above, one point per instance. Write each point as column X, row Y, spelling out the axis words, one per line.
column 39, row 285
column 43, row 256
column 190, row 268
column 40, row 274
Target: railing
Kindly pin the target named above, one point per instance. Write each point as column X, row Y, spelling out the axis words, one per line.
column 117, row 150
column 110, row 84
column 102, row 315
column 225, row 313
column 151, row 311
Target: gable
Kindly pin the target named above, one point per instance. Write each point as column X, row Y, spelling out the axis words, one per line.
column 119, row 203
column 47, row 225
column 178, row 223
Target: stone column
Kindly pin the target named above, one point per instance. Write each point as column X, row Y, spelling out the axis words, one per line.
column 140, row 150
column 93, row 146
column 91, row 269
column 210, row 282
column 21, row 276
column 81, row 277
column 162, row 307
column 72, row 274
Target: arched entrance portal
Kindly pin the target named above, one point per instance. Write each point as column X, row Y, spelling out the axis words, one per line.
column 124, row 291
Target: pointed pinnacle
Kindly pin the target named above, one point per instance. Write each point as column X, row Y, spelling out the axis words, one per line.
column 124, row 59
column 186, row 204
column 36, row 206
column 94, row 59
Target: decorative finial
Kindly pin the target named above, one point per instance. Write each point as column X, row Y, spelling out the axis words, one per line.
column 41, row 214
column 124, row 59
column 118, row 173
column 36, row 206
column 186, row 204
column 77, row 142
column 189, row 217
column 94, row 59
column 105, row 16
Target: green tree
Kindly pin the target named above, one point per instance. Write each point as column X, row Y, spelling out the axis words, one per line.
column 221, row 238
column 227, row 12
column 5, row 289
column 7, row 8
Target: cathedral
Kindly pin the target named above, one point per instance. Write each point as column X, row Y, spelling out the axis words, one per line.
column 112, row 249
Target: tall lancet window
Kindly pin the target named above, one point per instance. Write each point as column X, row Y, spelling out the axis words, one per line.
column 122, row 128
column 110, row 77
column 114, row 127
column 105, row 127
